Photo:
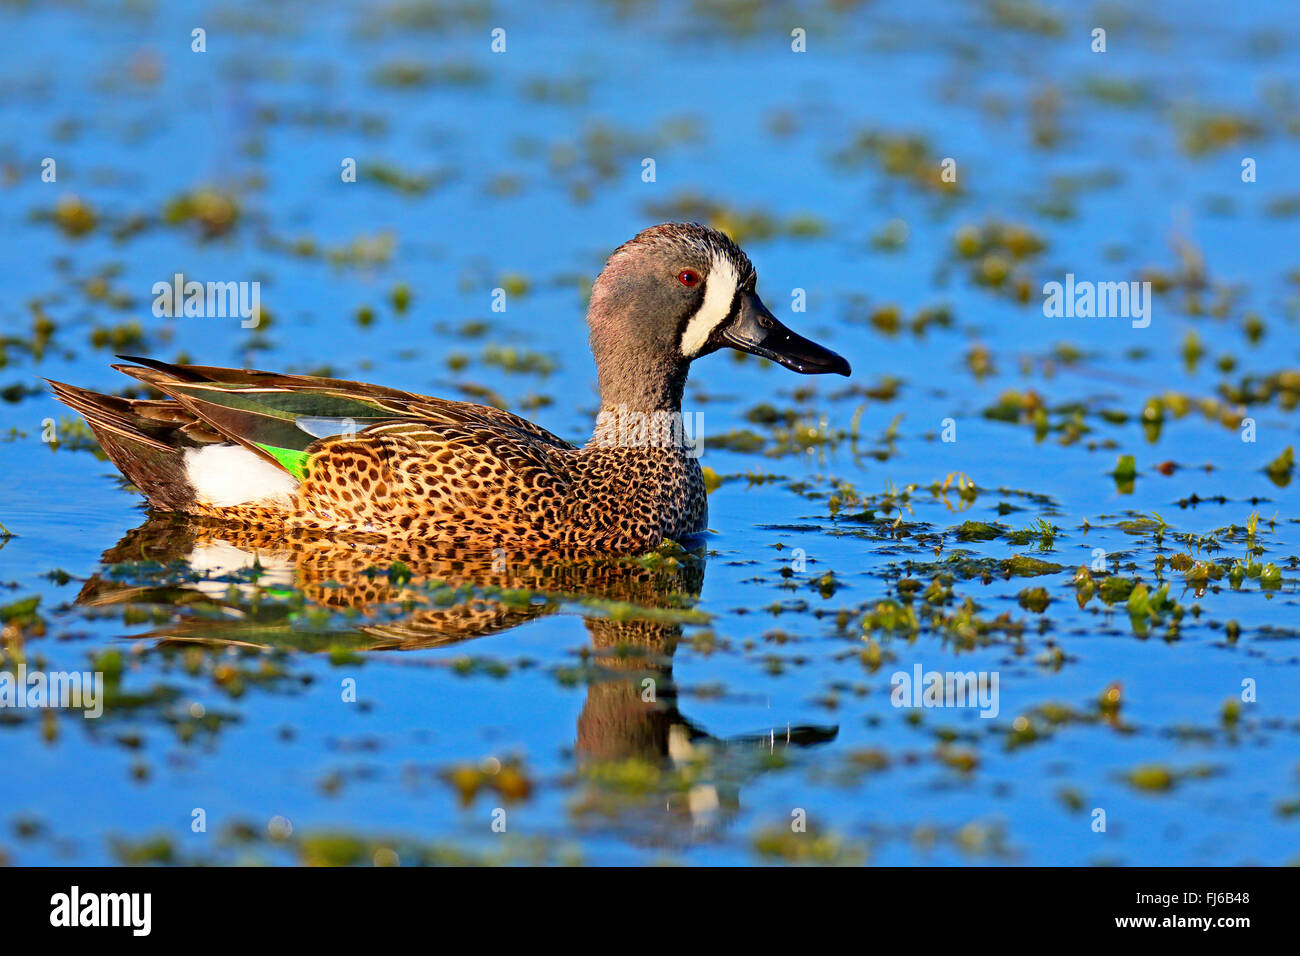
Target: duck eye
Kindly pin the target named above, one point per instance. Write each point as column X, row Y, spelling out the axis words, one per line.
column 688, row 277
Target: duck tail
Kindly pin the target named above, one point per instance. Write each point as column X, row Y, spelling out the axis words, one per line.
column 144, row 439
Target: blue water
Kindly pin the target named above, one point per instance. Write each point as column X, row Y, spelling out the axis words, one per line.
column 730, row 115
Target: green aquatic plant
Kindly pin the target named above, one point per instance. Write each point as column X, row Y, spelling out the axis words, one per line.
column 213, row 211
column 75, row 216
column 1034, row 599
column 1280, row 469
column 1125, row 474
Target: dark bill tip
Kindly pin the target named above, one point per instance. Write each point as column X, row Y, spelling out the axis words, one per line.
column 806, row 357
column 757, row 331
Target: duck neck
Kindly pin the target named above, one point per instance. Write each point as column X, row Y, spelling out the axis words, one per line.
column 642, row 408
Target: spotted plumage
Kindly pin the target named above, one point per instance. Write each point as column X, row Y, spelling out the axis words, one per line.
column 347, row 575
column 302, row 452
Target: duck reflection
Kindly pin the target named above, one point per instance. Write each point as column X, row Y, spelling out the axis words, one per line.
column 241, row 587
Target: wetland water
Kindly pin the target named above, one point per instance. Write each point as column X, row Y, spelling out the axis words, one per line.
column 314, row 702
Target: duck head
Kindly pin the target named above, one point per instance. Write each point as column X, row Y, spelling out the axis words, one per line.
column 677, row 292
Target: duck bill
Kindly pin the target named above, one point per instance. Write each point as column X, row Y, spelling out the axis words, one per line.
column 757, row 331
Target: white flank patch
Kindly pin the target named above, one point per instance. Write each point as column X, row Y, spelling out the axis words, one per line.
column 719, row 290
column 680, row 748
column 225, row 475
column 217, row 559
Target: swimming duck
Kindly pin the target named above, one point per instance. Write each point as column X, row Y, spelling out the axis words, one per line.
column 295, row 451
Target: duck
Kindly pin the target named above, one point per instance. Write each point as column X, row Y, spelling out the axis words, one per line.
column 274, row 451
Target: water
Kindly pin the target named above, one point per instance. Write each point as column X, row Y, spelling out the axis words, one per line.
column 771, row 681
